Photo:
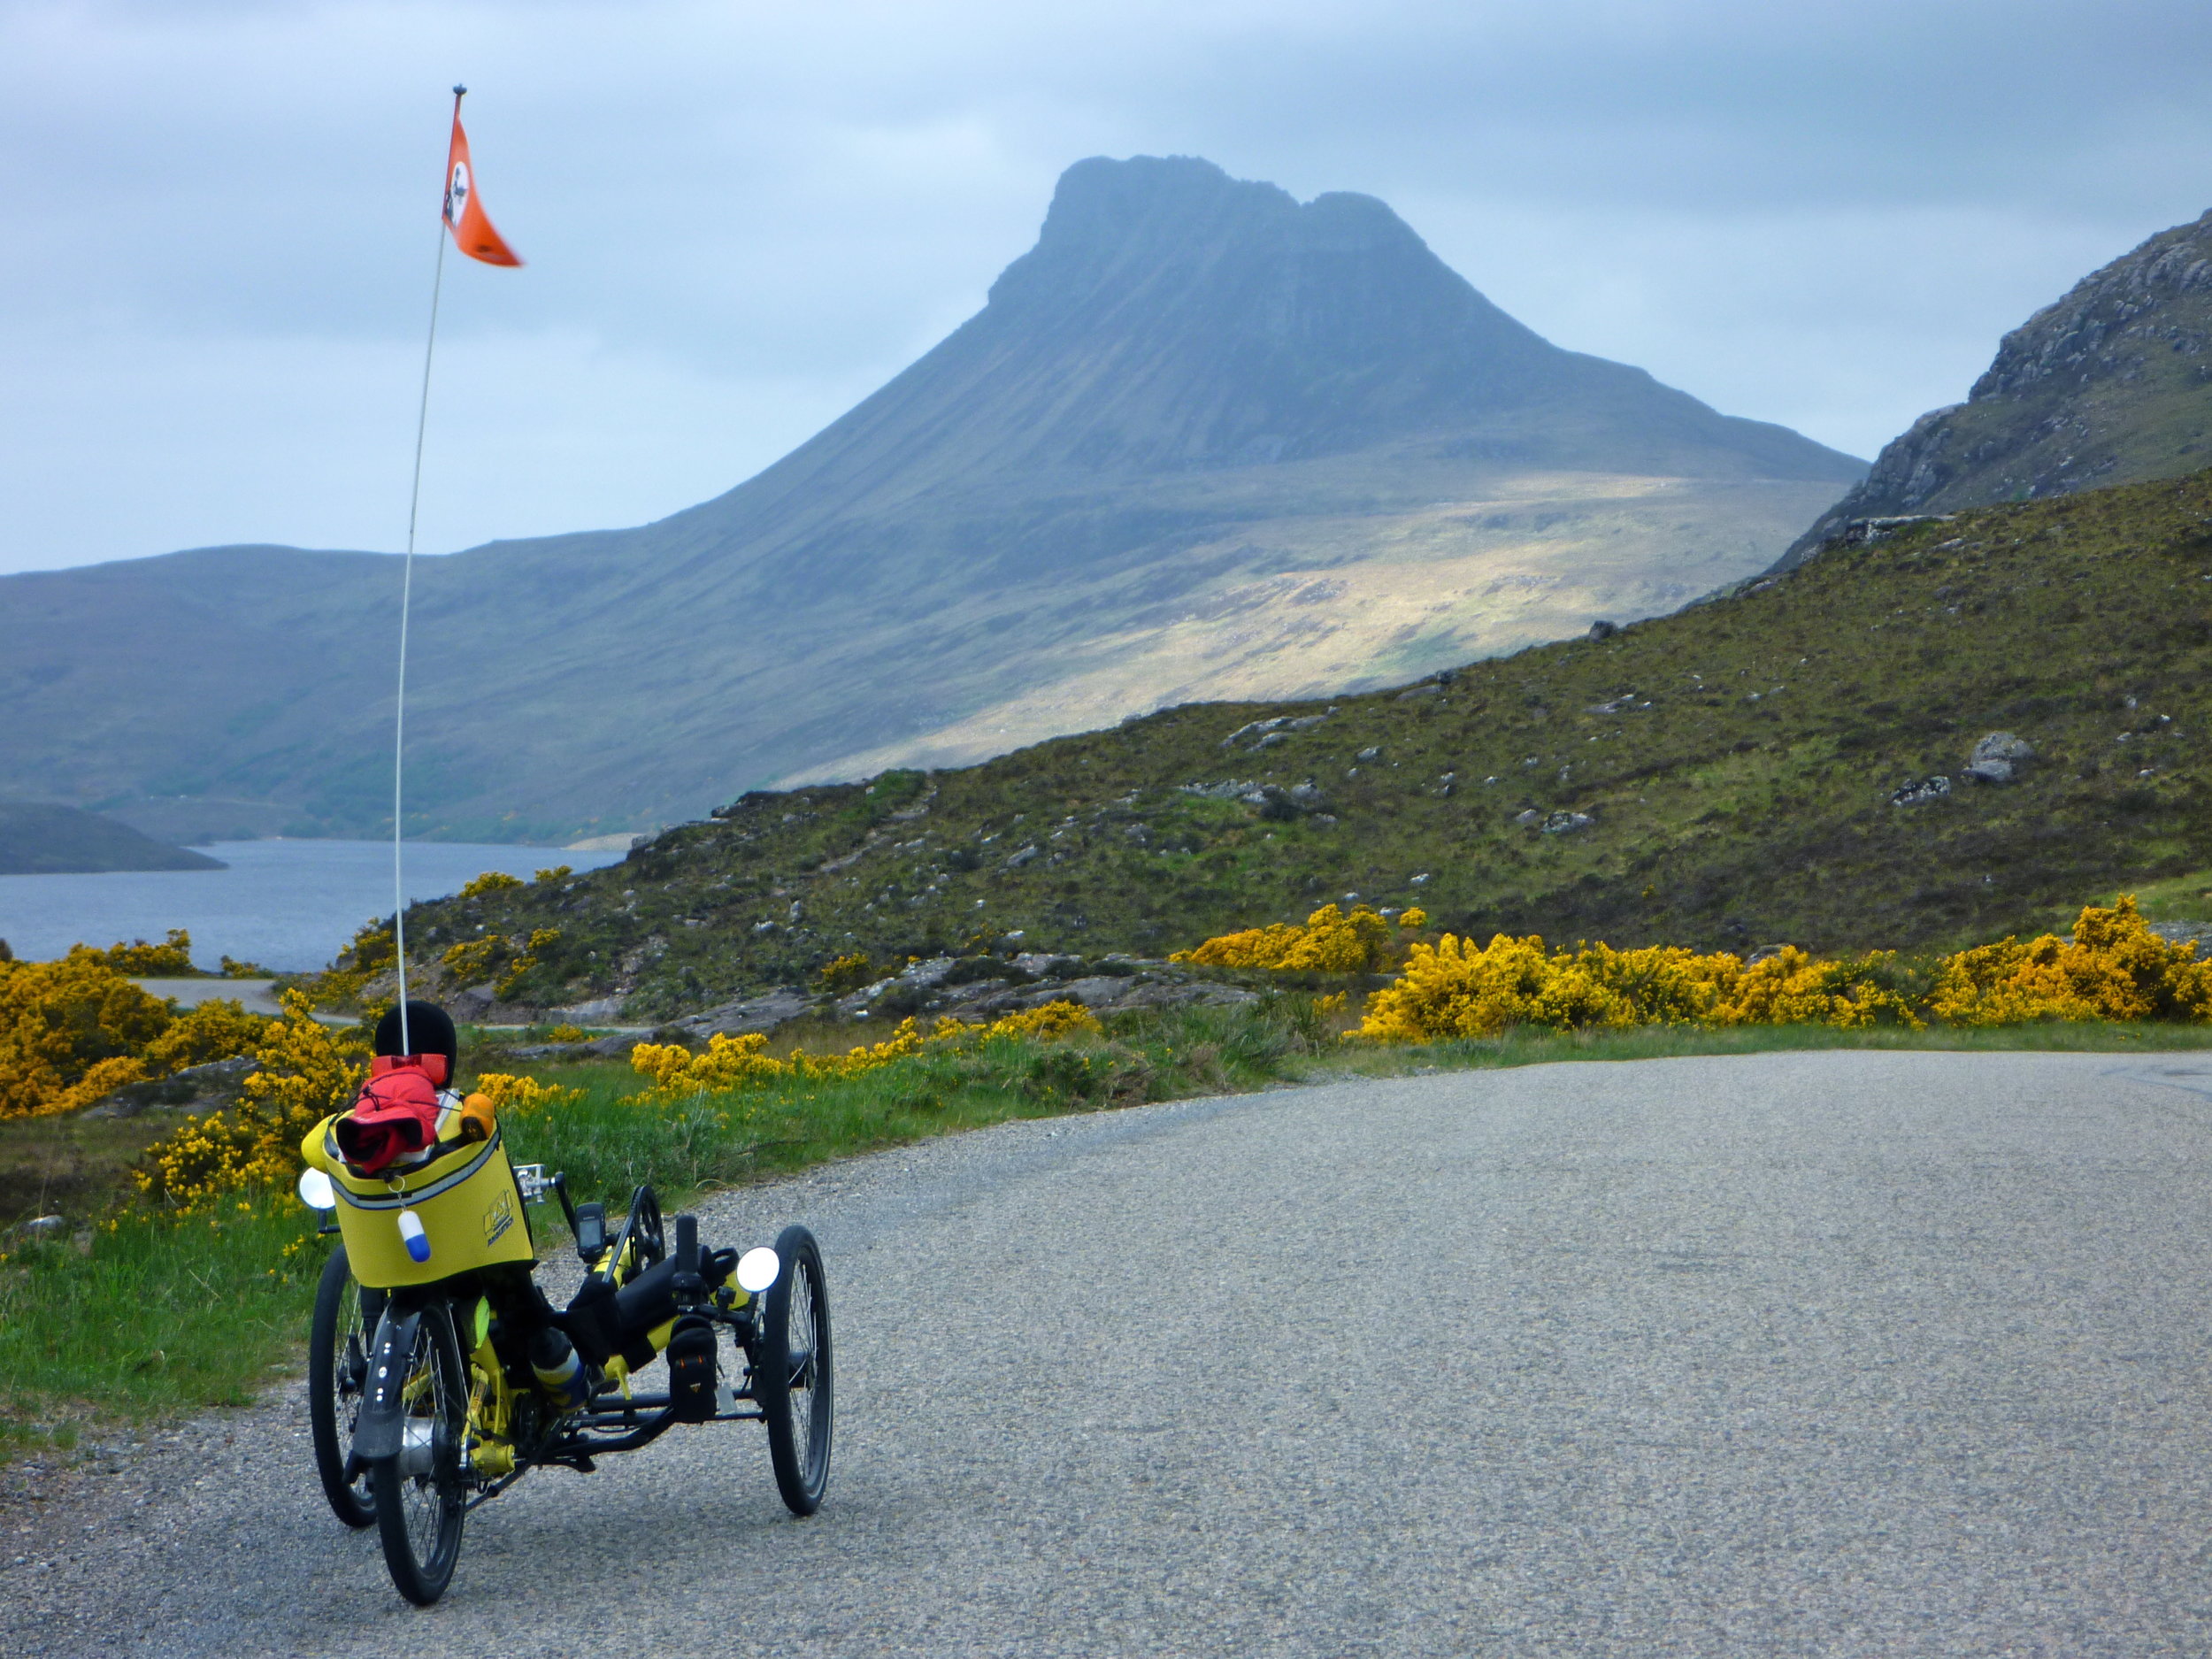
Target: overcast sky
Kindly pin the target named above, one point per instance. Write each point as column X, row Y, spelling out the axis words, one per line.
column 218, row 220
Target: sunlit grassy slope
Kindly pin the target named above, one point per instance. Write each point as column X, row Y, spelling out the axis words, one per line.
column 1736, row 763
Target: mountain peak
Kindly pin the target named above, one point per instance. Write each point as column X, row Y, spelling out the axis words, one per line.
column 1170, row 317
column 1175, row 215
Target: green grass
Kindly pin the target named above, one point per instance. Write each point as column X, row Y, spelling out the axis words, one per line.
column 169, row 1316
column 2187, row 897
column 1719, row 819
column 74, row 1164
column 160, row 1316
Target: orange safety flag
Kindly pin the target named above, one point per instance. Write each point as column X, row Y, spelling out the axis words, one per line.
column 472, row 233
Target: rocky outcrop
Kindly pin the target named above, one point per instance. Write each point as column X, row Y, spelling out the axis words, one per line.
column 1920, row 791
column 2109, row 385
column 196, row 1089
column 754, row 1014
column 984, row 987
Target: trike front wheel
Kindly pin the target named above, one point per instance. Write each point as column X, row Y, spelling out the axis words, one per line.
column 421, row 1497
column 795, row 1373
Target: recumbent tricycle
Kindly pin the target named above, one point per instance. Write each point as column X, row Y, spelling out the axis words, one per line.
column 438, row 1372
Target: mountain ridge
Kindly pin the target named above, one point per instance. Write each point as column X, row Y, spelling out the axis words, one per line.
column 2111, row 383
column 1190, row 386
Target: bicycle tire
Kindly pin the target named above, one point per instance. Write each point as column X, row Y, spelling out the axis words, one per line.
column 796, row 1375
column 337, row 1367
column 420, row 1511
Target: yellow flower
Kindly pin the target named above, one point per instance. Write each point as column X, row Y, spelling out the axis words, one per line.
column 303, row 1071
column 1330, row 942
column 73, row 1030
column 734, row 1063
column 2114, row 968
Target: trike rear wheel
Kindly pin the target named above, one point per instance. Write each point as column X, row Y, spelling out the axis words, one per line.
column 337, row 1368
column 421, row 1497
column 794, row 1382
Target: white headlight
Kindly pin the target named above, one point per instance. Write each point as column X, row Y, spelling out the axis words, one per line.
column 316, row 1190
column 756, row 1270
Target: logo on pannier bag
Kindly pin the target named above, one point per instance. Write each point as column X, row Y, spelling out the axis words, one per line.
column 498, row 1218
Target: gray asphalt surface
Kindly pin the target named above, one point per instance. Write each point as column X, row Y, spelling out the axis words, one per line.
column 1833, row 1354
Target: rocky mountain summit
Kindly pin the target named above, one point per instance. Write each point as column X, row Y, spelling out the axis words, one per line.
column 2111, row 384
column 1204, row 441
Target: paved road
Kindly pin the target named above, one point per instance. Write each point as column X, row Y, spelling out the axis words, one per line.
column 1803, row 1354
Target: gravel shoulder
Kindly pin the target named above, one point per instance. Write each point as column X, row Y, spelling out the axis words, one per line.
column 1834, row 1354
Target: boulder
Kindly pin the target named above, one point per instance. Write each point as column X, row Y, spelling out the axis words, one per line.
column 597, row 1012
column 1039, row 964
column 1603, row 631
column 1997, row 758
column 474, row 1005
column 1561, row 823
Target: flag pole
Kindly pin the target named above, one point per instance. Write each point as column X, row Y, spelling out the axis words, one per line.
column 406, row 599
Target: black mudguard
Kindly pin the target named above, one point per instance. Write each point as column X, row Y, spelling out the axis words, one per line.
column 378, row 1431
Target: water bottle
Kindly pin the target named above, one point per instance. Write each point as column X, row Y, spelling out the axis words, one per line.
column 559, row 1372
column 413, row 1237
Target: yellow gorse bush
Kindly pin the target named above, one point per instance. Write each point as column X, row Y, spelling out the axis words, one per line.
column 1330, row 942
column 172, row 959
column 848, row 972
column 74, row 1030
column 733, row 1063
column 490, row 881
column 303, row 1071
column 521, row 1094
column 372, row 950
column 2116, row 968
column 471, row 959
column 1458, row 988
column 541, row 939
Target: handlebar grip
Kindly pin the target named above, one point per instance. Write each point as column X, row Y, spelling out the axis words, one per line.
column 690, row 1286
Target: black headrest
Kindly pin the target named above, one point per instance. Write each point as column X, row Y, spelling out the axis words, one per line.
column 429, row 1031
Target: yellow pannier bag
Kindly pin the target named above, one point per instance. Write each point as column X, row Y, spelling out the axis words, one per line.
column 466, row 1199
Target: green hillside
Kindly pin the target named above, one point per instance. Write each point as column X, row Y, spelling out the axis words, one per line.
column 38, row 838
column 1735, row 764
column 2110, row 384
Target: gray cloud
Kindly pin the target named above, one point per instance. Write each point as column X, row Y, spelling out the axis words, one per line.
column 216, row 220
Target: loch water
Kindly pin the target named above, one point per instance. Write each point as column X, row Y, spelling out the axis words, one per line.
column 289, row 905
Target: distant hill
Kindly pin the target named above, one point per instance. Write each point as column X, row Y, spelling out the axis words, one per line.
column 37, row 839
column 2111, row 384
column 1794, row 763
column 1203, row 441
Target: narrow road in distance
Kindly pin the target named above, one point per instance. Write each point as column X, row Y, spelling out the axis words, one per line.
column 1812, row 1354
